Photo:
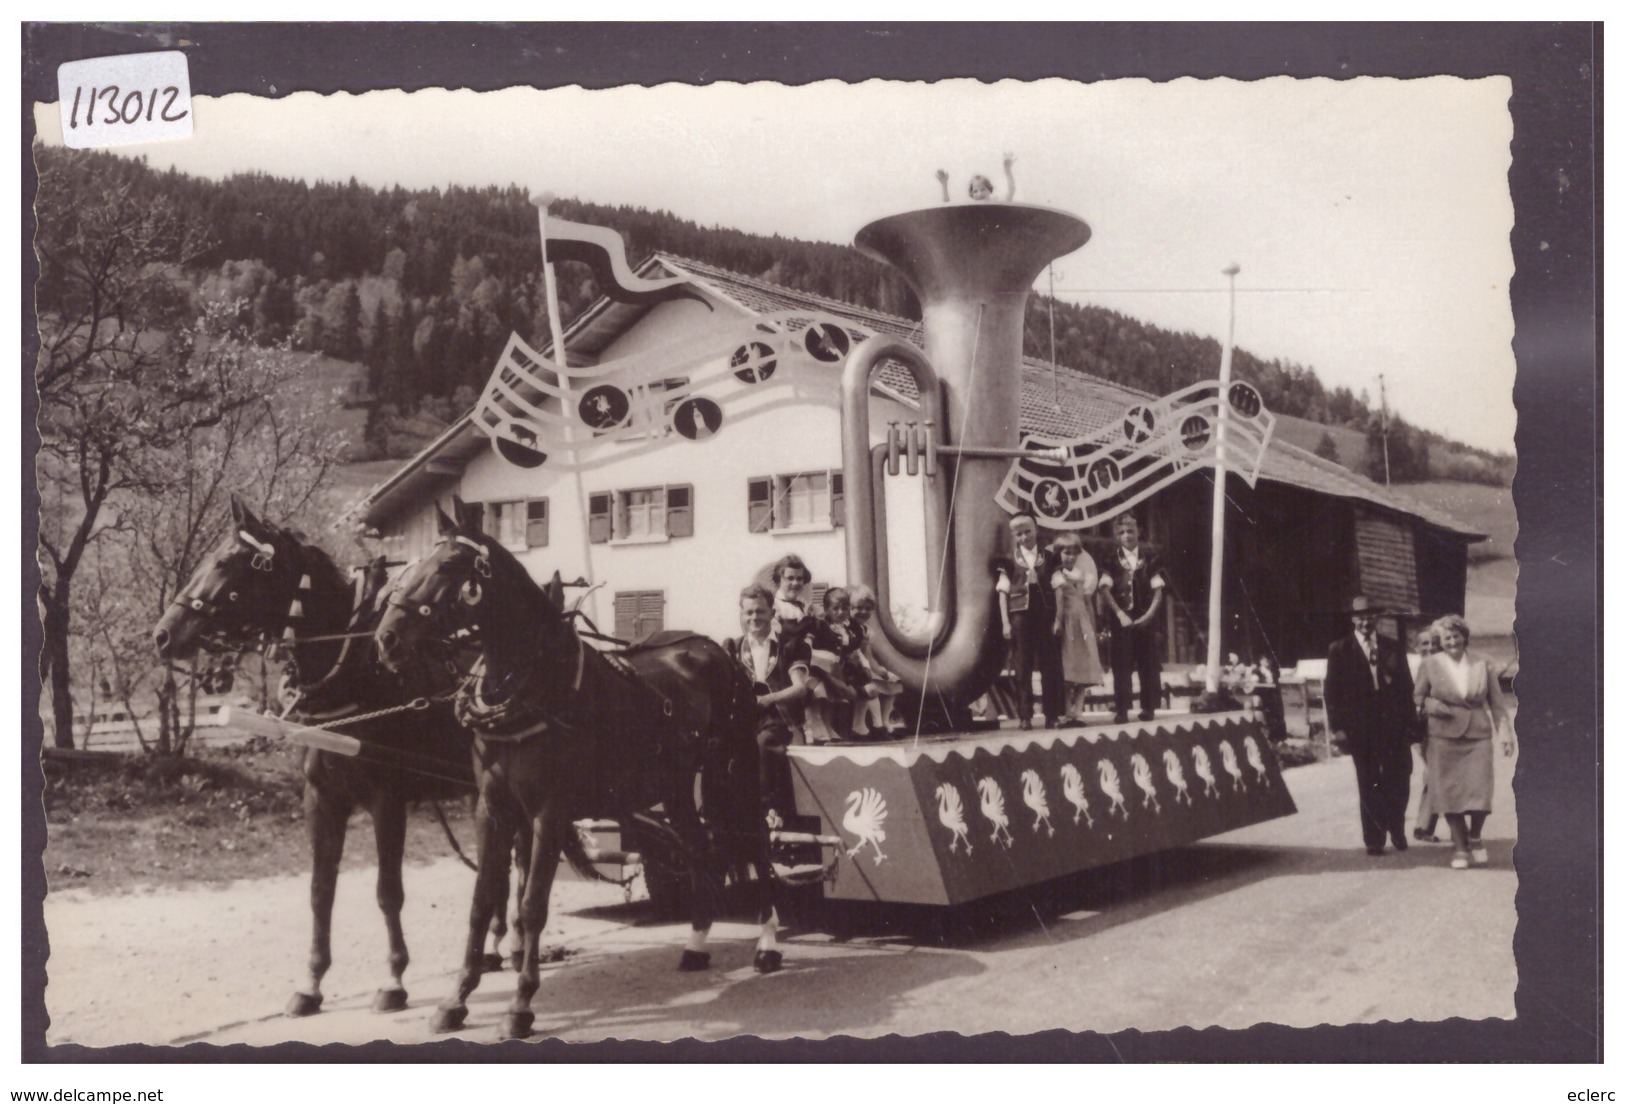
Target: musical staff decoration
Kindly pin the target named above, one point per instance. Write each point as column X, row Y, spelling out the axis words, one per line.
column 1156, row 442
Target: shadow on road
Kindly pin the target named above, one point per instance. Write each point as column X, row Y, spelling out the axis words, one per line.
column 638, row 992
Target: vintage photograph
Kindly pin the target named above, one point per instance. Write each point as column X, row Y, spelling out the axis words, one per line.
column 849, row 559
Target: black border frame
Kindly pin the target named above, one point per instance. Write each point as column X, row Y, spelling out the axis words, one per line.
column 1555, row 179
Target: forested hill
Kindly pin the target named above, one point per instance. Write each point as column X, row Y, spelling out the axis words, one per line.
column 424, row 286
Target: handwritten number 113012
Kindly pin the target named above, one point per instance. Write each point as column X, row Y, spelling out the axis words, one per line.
column 134, row 107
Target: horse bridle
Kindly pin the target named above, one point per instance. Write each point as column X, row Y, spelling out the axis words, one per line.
column 471, row 593
column 215, row 611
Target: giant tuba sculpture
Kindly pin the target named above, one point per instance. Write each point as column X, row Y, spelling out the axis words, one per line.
column 972, row 268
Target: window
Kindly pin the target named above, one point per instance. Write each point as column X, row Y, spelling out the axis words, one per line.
column 639, row 614
column 516, row 525
column 798, row 501
column 641, row 514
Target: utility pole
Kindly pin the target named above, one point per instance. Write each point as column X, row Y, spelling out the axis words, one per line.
column 1382, row 390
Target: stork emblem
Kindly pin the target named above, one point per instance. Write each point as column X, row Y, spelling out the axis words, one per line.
column 951, row 812
column 1032, row 796
column 1255, row 759
column 866, row 819
column 1227, row 756
column 993, row 809
column 1072, row 790
column 1204, row 770
column 1111, row 784
column 1175, row 771
column 1147, row 782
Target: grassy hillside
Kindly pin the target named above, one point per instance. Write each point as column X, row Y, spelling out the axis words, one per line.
column 1306, row 435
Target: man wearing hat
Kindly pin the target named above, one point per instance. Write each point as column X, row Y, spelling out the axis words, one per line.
column 1369, row 706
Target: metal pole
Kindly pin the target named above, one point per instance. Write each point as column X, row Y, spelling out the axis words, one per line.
column 555, row 326
column 1215, row 578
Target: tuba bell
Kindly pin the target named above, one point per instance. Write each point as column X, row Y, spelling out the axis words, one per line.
column 972, row 267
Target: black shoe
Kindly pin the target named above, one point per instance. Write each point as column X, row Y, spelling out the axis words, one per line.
column 1423, row 836
column 1147, row 715
column 1400, row 843
column 1121, row 718
column 1374, row 852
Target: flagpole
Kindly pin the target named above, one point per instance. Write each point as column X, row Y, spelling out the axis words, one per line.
column 1215, row 579
column 555, row 327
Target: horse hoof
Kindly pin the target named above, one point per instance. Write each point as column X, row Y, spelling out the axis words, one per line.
column 694, row 961
column 389, row 1000
column 448, row 1019
column 303, row 1004
column 516, row 1025
column 492, row 963
column 768, row 962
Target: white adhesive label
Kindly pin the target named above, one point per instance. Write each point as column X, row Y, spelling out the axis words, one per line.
column 113, row 101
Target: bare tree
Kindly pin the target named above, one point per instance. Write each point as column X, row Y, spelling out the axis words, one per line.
column 127, row 384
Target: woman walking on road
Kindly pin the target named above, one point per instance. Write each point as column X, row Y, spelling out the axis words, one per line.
column 1459, row 694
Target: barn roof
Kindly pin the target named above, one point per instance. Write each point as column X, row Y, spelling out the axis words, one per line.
column 1054, row 399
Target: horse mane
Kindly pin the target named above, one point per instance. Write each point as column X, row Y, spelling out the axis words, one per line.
column 539, row 602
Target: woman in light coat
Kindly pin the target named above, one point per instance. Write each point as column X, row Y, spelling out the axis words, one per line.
column 1459, row 695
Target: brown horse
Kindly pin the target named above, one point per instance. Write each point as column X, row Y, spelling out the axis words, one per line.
column 564, row 731
column 260, row 582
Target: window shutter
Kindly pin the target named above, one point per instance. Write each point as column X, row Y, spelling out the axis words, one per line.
column 651, row 613
column 759, row 491
column 680, row 510
column 626, row 616
column 536, row 523
column 815, row 603
column 598, row 519
column 837, row 499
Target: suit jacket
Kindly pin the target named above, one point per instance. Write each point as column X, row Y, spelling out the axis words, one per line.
column 1450, row 713
column 1368, row 714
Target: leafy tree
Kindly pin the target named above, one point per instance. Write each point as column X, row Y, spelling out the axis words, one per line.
column 1326, row 448
column 1407, row 452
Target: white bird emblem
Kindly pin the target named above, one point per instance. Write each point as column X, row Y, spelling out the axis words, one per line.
column 866, row 819
column 1175, row 771
column 1144, row 779
column 1032, row 795
column 951, row 811
column 1072, row 788
column 993, row 809
column 1256, row 759
column 1204, row 770
column 1111, row 785
column 1227, row 755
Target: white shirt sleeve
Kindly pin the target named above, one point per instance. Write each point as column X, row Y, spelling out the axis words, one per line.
column 1003, row 585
